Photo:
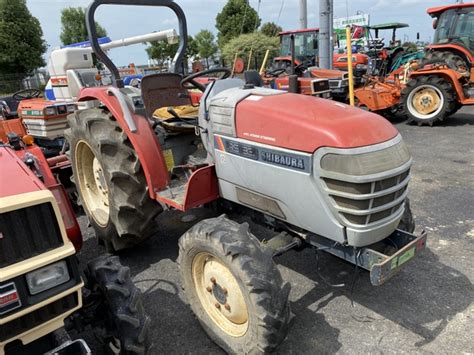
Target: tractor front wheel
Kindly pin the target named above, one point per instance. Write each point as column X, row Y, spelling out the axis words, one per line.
column 121, row 306
column 427, row 99
column 110, row 180
column 234, row 287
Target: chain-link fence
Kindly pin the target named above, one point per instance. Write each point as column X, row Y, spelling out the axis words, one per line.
column 10, row 83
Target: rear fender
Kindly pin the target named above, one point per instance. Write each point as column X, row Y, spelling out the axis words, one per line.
column 457, row 49
column 450, row 75
column 140, row 134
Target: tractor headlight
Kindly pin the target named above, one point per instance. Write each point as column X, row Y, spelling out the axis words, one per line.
column 367, row 163
column 47, row 277
column 49, row 111
column 71, row 108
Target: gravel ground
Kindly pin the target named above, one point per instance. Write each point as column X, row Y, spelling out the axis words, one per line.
column 427, row 308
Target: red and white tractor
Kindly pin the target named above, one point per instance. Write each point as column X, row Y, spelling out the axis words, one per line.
column 323, row 174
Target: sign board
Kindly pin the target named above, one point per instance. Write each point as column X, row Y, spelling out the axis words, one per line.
column 340, row 28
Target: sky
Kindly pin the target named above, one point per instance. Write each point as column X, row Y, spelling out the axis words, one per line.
column 126, row 21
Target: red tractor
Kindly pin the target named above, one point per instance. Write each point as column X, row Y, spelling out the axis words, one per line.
column 321, row 173
column 42, row 292
column 302, row 46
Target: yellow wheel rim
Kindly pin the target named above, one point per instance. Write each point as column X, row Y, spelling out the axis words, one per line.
column 425, row 101
column 220, row 294
column 92, row 183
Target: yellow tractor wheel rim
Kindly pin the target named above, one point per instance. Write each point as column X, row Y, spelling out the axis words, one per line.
column 220, row 294
column 425, row 101
column 92, row 183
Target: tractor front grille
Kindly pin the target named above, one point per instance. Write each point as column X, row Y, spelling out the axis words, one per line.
column 360, row 199
column 319, row 86
column 28, row 232
column 41, row 315
column 369, row 209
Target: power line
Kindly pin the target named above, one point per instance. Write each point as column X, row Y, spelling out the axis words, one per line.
column 245, row 16
column 258, row 15
column 281, row 9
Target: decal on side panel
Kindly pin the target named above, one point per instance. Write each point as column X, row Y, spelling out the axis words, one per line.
column 265, row 155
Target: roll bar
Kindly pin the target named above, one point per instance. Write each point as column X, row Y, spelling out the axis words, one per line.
column 91, row 29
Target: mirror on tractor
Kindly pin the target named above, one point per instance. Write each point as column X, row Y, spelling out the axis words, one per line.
column 435, row 23
column 315, row 43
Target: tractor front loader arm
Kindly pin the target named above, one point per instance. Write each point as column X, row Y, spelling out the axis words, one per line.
column 139, row 133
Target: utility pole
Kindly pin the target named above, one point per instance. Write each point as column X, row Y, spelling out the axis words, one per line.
column 325, row 33
column 303, row 14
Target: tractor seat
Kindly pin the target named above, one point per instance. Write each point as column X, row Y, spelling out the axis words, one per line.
column 253, row 77
column 167, row 102
column 181, row 118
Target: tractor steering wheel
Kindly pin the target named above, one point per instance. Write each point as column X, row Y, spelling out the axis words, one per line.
column 189, row 82
column 275, row 73
column 26, row 94
column 302, row 66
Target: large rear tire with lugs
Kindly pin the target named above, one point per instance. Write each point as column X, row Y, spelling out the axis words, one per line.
column 452, row 60
column 121, row 306
column 427, row 99
column 234, row 287
column 110, row 179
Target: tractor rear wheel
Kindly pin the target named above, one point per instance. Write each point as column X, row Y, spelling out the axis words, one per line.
column 234, row 287
column 121, row 306
column 452, row 60
column 110, row 179
column 427, row 99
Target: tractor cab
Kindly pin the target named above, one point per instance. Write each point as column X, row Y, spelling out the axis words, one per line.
column 454, row 33
column 306, row 45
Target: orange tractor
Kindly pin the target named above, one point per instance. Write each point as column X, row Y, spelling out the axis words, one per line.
column 436, row 87
column 298, row 51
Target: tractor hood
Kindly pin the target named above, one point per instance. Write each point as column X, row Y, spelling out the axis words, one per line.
column 305, row 123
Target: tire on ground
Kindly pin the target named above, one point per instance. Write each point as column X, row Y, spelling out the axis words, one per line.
column 418, row 82
column 124, row 305
column 260, row 283
column 407, row 223
column 131, row 211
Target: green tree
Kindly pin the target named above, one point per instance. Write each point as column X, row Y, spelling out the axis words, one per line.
column 237, row 17
column 206, row 45
column 410, row 46
column 73, row 26
column 270, row 29
column 257, row 42
column 21, row 39
column 162, row 51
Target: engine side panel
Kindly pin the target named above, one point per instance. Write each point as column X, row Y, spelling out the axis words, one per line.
column 259, row 177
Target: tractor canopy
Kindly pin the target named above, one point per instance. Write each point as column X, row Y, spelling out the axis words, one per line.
column 438, row 10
